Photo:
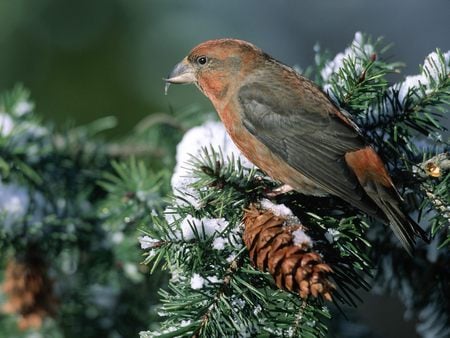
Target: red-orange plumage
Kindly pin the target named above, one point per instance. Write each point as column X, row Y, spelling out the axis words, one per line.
column 289, row 127
column 368, row 166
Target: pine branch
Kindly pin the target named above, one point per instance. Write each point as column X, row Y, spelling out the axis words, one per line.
column 204, row 217
column 356, row 77
column 51, row 204
column 232, row 269
column 417, row 102
column 435, row 166
column 223, row 188
column 433, row 175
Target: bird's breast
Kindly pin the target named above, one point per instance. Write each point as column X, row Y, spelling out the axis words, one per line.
column 260, row 155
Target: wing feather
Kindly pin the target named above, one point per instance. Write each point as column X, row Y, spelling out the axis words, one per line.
column 311, row 141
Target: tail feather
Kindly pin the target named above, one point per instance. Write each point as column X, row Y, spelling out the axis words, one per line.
column 405, row 228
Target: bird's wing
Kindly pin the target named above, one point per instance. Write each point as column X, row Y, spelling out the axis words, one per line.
column 310, row 140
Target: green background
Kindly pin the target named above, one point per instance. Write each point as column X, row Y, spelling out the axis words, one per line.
column 86, row 59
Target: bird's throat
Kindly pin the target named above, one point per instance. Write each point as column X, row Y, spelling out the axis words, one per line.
column 215, row 87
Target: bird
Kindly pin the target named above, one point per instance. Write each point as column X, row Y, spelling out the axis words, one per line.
column 290, row 128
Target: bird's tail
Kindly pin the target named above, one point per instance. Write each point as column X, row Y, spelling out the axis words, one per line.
column 405, row 228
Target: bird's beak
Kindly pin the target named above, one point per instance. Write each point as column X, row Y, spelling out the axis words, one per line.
column 182, row 73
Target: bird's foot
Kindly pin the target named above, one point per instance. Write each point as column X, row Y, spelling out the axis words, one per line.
column 285, row 188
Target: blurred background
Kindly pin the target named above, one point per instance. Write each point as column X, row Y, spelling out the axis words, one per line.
column 87, row 59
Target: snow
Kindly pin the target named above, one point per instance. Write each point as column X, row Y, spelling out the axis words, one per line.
column 14, row 199
column 431, row 70
column 231, row 258
column 355, row 52
column 277, row 209
column 238, row 303
column 185, row 323
column 219, row 243
column 432, row 65
column 117, row 237
column 197, row 281
column 6, row 124
column 25, row 135
column 132, row 272
column 147, row 242
column 332, row 235
column 34, row 130
column 34, row 335
column 214, row 279
column 316, row 48
column 170, row 215
column 176, row 274
column 204, row 228
column 410, row 83
column 232, row 241
column 327, row 88
column 14, row 202
column 334, row 65
column 257, row 310
column 104, row 296
column 280, row 210
column 358, row 38
column 290, row 332
column 22, row 108
column 214, row 225
column 208, row 134
column 301, row 238
column 191, row 225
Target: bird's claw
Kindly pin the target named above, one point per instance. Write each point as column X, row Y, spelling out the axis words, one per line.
column 285, row 188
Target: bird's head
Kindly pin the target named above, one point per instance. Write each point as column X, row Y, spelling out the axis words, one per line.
column 213, row 65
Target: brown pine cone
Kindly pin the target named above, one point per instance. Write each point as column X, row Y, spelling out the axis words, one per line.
column 29, row 292
column 292, row 263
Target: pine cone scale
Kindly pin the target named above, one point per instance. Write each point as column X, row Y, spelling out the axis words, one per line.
column 294, row 266
column 29, row 291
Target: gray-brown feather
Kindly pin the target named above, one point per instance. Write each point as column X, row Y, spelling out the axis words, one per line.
column 301, row 129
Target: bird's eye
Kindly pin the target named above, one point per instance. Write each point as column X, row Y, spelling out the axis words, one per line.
column 201, row 60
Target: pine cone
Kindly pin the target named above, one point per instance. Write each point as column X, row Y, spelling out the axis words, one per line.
column 29, row 292
column 293, row 264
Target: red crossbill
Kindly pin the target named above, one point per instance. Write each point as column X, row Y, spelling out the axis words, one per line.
column 289, row 128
